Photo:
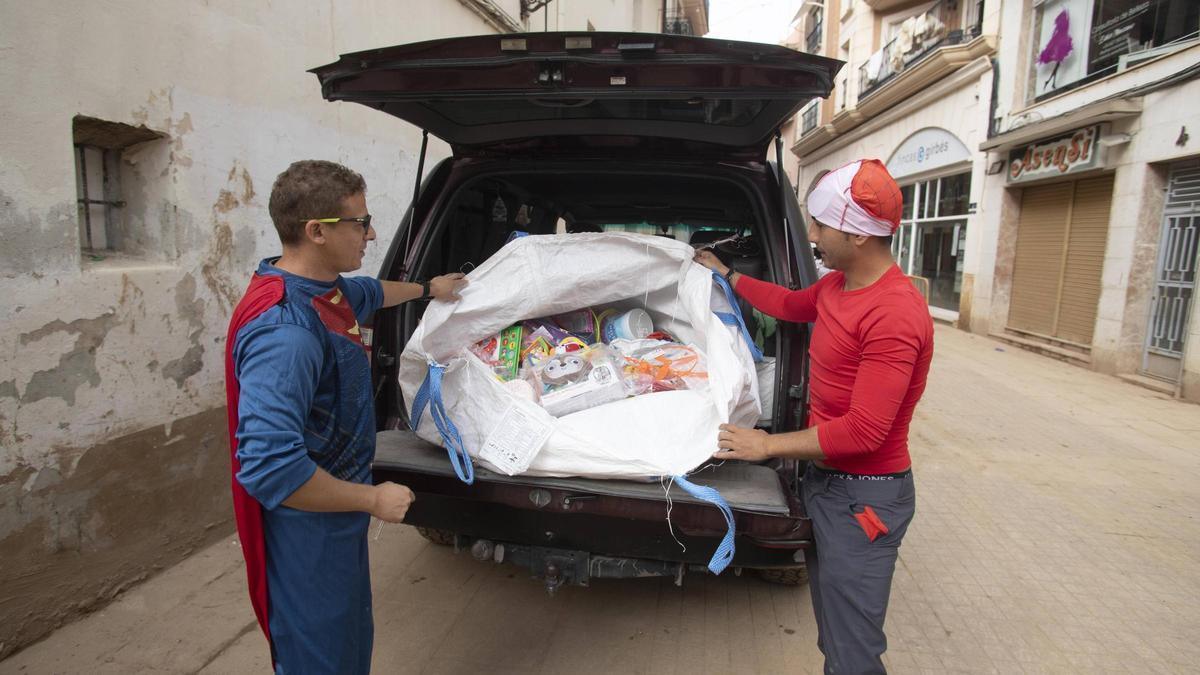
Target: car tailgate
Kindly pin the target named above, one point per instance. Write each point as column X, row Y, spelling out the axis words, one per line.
column 762, row 506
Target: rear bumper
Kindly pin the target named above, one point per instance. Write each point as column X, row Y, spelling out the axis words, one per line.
column 620, row 519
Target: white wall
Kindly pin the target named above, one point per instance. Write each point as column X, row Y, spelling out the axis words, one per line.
column 643, row 16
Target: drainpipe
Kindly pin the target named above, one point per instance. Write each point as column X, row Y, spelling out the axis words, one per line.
column 995, row 97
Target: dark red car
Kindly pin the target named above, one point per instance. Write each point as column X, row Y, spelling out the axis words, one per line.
column 570, row 132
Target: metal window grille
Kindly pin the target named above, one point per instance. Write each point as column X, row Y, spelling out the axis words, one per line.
column 98, row 188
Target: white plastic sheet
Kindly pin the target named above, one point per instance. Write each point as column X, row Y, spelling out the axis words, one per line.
column 664, row 433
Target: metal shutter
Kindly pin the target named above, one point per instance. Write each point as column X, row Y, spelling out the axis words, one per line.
column 1038, row 261
column 1086, row 240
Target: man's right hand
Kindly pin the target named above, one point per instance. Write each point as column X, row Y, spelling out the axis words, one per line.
column 711, row 261
column 391, row 502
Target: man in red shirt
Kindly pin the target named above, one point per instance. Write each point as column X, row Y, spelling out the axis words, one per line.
column 872, row 342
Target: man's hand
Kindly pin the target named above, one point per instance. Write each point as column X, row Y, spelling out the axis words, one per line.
column 711, row 261
column 739, row 443
column 447, row 286
column 391, row 501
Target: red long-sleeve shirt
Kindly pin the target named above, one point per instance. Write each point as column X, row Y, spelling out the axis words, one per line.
column 869, row 357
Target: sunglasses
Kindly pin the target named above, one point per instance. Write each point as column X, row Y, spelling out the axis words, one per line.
column 365, row 221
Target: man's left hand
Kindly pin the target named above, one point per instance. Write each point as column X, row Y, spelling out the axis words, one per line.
column 447, row 286
column 739, row 443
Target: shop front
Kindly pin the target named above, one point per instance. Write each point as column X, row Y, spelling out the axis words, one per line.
column 933, row 168
column 1062, row 233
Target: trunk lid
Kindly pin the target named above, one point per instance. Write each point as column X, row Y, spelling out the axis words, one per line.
column 586, row 93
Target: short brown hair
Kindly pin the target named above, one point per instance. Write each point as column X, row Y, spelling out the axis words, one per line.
column 309, row 189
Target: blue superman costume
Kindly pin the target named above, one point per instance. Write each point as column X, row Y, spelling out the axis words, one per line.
column 299, row 393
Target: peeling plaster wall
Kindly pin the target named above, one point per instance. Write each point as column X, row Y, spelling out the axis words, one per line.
column 113, row 452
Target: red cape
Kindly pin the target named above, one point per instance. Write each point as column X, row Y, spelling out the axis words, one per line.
column 263, row 293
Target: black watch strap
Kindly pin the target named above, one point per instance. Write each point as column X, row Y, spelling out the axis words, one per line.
column 729, row 275
column 425, row 292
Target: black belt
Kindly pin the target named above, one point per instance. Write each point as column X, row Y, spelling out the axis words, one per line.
column 862, row 476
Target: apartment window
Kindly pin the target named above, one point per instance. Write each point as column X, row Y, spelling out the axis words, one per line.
column 808, row 119
column 103, row 178
column 816, row 23
column 1077, row 41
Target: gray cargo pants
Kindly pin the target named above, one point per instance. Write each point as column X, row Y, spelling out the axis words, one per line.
column 850, row 575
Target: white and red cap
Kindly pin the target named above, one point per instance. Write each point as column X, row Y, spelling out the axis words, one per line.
column 859, row 198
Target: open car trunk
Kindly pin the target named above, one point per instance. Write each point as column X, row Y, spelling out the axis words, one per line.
column 558, row 133
column 479, row 206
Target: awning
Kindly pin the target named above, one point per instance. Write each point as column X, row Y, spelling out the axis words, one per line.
column 1092, row 113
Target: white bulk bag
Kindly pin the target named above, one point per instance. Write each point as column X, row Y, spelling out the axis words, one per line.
column 658, row 434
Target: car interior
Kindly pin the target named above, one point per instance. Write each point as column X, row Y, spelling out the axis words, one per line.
column 485, row 213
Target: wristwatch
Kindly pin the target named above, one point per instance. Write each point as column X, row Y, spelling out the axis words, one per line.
column 729, row 275
column 425, row 292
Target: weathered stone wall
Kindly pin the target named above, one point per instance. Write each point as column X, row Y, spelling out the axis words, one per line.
column 113, row 449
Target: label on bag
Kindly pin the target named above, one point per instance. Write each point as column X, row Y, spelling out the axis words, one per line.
column 515, row 441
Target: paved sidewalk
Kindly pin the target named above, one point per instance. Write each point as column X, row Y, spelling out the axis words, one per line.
column 1055, row 532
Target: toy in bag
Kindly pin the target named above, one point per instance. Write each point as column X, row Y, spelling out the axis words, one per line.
column 544, row 337
column 634, row 324
column 580, row 380
column 656, row 365
column 501, row 352
column 580, row 323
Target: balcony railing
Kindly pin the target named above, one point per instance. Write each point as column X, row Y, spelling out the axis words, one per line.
column 949, row 22
column 678, row 24
column 812, row 41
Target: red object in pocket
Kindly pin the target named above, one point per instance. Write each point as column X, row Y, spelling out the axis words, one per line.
column 870, row 523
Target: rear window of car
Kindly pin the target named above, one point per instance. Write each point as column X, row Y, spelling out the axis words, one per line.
column 722, row 112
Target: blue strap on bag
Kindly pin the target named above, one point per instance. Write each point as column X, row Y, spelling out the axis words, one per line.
column 725, row 550
column 734, row 318
column 430, row 394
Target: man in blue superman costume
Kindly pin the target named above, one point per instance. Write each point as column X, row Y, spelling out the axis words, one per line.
column 302, row 422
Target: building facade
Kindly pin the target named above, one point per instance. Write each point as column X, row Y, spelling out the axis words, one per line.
column 1043, row 151
column 1093, row 188
column 914, row 94
column 133, row 204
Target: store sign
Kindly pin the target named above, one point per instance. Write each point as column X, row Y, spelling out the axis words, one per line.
column 1060, row 156
column 928, row 149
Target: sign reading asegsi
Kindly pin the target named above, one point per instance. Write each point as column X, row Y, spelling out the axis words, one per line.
column 1070, row 153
